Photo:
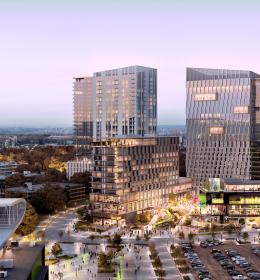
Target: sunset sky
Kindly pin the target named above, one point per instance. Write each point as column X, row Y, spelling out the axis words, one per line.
column 44, row 44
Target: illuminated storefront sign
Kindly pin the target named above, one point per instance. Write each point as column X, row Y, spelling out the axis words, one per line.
column 217, row 200
column 244, row 200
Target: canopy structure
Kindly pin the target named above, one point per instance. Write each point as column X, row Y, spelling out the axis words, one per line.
column 12, row 211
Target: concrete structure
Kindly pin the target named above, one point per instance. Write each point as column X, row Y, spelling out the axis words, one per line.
column 118, row 102
column 223, row 124
column 131, row 175
column 78, row 166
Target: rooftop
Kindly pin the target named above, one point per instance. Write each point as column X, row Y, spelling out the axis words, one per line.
column 10, row 201
column 241, row 182
column 7, row 163
column 193, row 74
column 36, row 187
column 12, row 211
column 24, row 259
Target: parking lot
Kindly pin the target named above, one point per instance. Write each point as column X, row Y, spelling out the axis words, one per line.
column 227, row 258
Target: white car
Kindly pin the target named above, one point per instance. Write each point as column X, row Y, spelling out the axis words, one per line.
column 3, row 274
column 239, row 277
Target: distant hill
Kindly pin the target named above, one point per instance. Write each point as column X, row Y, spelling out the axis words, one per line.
column 162, row 130
column 35, row 130
column 171, row 129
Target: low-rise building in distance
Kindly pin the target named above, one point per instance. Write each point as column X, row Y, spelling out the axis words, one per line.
column 75, row 193
column 77, row 166
column 7, row 167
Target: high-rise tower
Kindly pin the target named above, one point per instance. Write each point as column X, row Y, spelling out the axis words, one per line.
column 125, row 102
column 223, row 124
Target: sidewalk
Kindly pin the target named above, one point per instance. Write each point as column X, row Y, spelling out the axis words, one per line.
column 168, row 264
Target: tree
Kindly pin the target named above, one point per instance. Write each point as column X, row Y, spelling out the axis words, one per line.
column 230, row 229
column 181, row 235
column 176, row 253
column 213, row 230
column 82, row 178
column 56, row 249
column 206, row 227
column 69, row 234
column 49, row 199
column 16, row 179
column 105, row 261
column 29, row 222
column 117, row 239
column 187, row 222
column 188, row 196
column 60, row 233
column 23, row 167
column 143, row 218
column 83, row 214
column 56, row 175
column 191, row 236
column 40, row 234
column 206, row 185
column 157, row 262
column 173, row 198
column 245, row 235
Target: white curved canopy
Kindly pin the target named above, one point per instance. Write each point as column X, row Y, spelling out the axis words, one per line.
column 12, row 211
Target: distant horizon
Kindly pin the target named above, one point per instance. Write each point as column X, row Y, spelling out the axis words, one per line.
column 68, row 126
column 47, row 43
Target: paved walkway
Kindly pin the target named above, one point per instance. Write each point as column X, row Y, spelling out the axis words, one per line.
column 141, row 259
column 168, row 264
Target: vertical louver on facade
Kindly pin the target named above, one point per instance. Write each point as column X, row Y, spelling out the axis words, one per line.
column 222, row 124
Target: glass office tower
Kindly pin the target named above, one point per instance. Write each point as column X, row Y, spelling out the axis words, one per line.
column 223, row 124
column 83, row 114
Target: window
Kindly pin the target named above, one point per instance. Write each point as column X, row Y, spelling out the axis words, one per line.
column 240, row 109
column 216, row 130
column 205, row 97
column 77, row 92
column 257, row 117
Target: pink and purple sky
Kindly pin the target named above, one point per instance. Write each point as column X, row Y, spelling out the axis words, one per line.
column 44, row 44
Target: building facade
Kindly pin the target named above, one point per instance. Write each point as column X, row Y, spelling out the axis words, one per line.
column 125, row 102
column 223, row 124
column 78, row 166
column 239, row 198
column 7, row 167
column 131, row 175
column 83, row 114
column 118, row 102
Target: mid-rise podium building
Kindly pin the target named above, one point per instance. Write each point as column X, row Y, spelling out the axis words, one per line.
column 115, row 121
column 223, row 124
column 132, row 175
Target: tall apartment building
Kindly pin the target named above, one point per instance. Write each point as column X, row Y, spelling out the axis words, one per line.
column 223, row 124
column 125, row 102
column 131, row 175
column 119, row 102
